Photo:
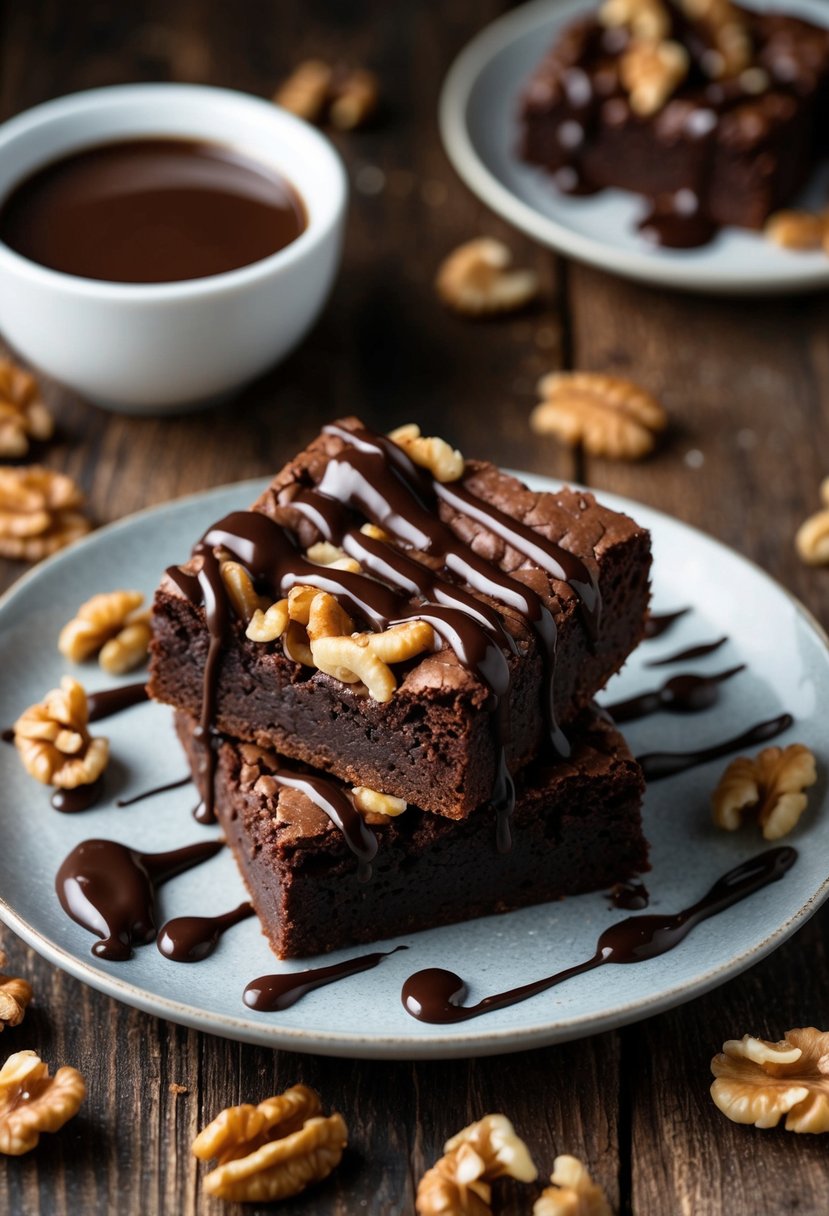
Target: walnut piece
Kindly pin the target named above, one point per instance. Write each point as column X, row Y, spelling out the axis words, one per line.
column 15, row 995
column 32, row 1102
column 759, row 1082
column 314, row 90
column 323, row 553
column 39, row 512
column 444, row 462
column 376, row 807
column 801, row 230
column 305, row 92
column 108, row 625
column 23, row 416
column 812, row 537
column 650, row 72
column 356, row 96
column 771, row 784
column 241, row 592
column 646, row 19
column 459, row 1183
column 129, row 649
column 273, row 1150
column 607, row 415
column 269, row 625
column 476, row 279
column 573, row 1193
column 730, row 51
column 53, row 741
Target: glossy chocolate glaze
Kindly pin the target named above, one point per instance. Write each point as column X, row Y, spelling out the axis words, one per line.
column 189, row 939
column 658, row 623
column 434, row 994
column 151, row 211
column 81, row 798
column 692, row 652
column 684, row 694
column 632, row 895
column 274, row 992
column 656, row 765
column 156, row 789
column 109, row 701
column 109, row 889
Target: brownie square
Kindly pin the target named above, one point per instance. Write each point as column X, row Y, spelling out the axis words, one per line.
column 576, row 827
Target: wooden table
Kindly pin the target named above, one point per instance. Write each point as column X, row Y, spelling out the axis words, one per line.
column 746, row 384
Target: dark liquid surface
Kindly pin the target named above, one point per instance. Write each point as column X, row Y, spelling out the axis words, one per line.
column 270, row 993
column 151, row 211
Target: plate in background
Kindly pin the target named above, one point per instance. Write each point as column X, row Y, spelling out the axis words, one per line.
column 479, row 126
column 788, row 668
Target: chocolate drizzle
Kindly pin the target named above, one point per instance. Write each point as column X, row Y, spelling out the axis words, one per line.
column 656, row 765
column 189, row 939
column 631, row 895
column 340, row 809
column 684, row 694
column 81, row 798
column 109, row 701
column 109, row 889
column 692, row 652
column 373, row 477
column 156, row 789
column 434, row 994
column 658, row 623
column 274, row 992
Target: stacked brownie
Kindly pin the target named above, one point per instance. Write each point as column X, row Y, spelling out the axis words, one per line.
column 481, row 618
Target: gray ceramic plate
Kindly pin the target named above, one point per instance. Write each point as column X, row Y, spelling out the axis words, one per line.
column 478, row 121
column 788, row 667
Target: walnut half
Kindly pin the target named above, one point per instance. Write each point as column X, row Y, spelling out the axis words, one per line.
column 607, row 415
column 53, row 742
column 772, row 784
column 478, row 279
column 40, row 512
column 272, row 1150
column 459, row 1183
column 15, row 995
column 32, row 1102
column 759, row 1082
column 573, row 1192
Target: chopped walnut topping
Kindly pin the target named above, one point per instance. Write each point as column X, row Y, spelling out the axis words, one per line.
column 273, row 1150
column 647, row 19
column 477, row 280
column 102, row 618
column 326, row 619
column 241, row 592
column 53, row 741
column 759, row 1082
column 15, row 995
column 323, row 553
column 573, row 1193
column 607, row 415
column 376, row 807
column 731, row 51
column 801, row 230
column 23, row 416
column 356, row 96
column 32, row 1102
column 305, row 92
column 444, row 462
column 39, row 512
column 651, row 72
column 771, row 784
column 269, row 625
column 459, row 1183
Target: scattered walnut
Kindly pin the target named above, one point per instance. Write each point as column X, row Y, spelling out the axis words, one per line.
column 758, row 1082
column 731, row 50
column 459, row 1183
column 647, row 19
column 269, row 625
column 376, row 807
column 175, row 1088
column 476, row 279
column 15, row 995
column 39, row 512
column 305, row 92
column 444, row 462
column 573, row 1193
column 772, row 785
column 650, row 72
column 54, row 743
column 355, row 99
column 241, row 592
column 323, row 553
column 798, row 229
column 607, row 415
column 326, row 619
column 273, row 1150
column 96, row 622
column 128, row 649
column 23, row 416
column 812, row 538
column 32, row 1102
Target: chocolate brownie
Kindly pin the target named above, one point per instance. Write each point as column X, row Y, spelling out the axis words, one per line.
column 577, row 827
column 538, row 616
column 729, row 143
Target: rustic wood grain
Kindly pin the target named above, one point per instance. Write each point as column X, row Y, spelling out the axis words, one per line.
column 744, row 384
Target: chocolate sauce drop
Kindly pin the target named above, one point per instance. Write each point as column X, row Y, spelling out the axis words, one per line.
column 631, row 895
column 8, row 735
column 676, row 221
column 683, row 694
column 156, row 789
column 656, row 765
column 693, row 652
column 81, row 798
column 189, row 939
column 657, row 624
column 109, row 701
column 434, row 994
column 109, row 889
column 274, row 992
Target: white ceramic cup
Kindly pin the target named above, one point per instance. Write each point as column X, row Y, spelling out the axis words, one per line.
column 165, row 347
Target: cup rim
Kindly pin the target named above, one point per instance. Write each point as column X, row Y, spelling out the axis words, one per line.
column 317, row 229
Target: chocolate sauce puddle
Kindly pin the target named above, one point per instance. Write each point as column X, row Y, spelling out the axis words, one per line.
column 109, row 889
column 270, row 993
column 434, row 994
column 109, row 701
column 81, row 798
column 693, row 652
column 659, row 623
column 156, row 789
column 683, row 694
column 656, row 765
column 632, row 895
column 189, row 939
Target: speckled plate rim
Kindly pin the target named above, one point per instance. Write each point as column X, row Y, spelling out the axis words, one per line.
column 441, row 1045
column 809, row 272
